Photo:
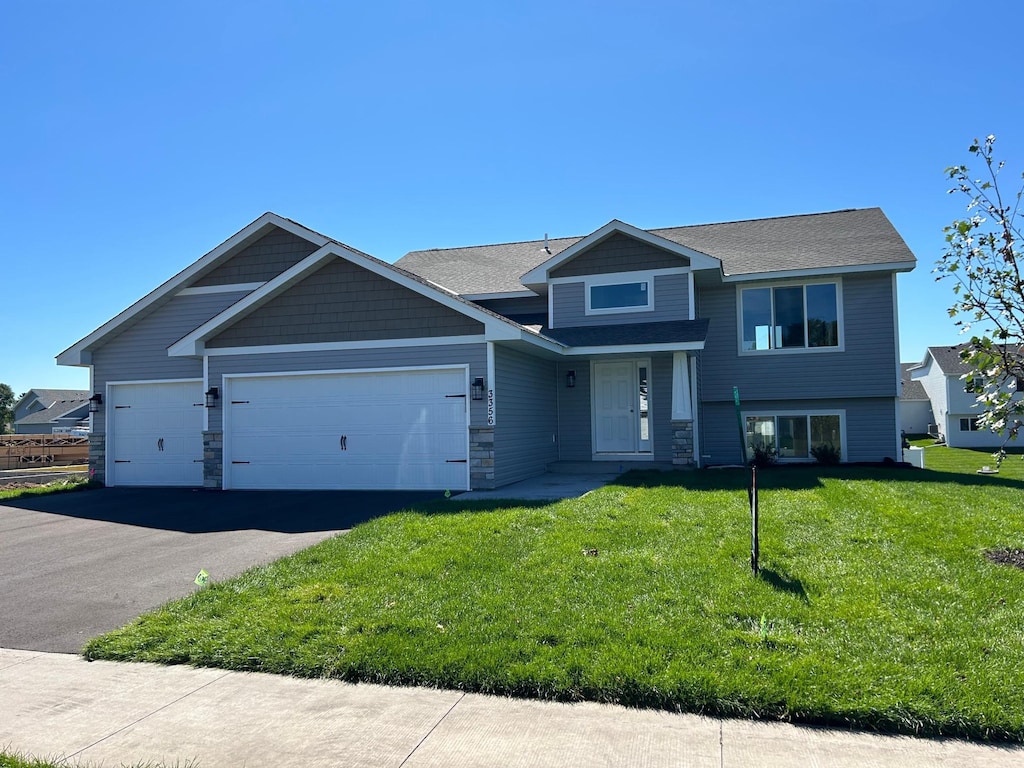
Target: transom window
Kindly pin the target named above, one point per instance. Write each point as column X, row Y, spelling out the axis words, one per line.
column 793, row 436
column 619, row 297
column 790, row 317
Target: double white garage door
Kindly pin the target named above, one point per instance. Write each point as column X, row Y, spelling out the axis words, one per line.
column 393, row 430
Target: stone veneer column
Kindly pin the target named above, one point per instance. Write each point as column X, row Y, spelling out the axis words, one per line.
column 213, row 460
column 682, row 444
column 98, row 458
column 481, row 458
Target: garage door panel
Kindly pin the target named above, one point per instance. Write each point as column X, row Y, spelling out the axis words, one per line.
column 401, row 430
column 155, row 434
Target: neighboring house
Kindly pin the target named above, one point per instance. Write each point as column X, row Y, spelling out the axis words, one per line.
column 955, row 410
column 286, row 359
column 916, row 416
column 44, row 411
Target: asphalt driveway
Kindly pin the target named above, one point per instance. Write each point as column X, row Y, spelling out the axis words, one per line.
column 75, row 565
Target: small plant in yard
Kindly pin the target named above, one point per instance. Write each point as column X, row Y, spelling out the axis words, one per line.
column 764, row 455
column 827, row 454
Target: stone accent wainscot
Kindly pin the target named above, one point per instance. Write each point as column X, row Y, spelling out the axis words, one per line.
column 213, row 460
column 481, row 458
column 682, row 444
column 98, row 458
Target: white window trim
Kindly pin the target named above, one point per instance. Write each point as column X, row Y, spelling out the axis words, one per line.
column 840, row 412
column 841, row 347
column 592, row 282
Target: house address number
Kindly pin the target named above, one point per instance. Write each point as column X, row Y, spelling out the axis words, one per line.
column 490, row 407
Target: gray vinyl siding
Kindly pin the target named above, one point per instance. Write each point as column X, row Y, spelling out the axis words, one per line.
column 264, row 260
column 527, row 305
column 867, row 367
column 871, row 427
column 345, row 302
column 619, row 253
column 661, row 406
column 574, row 435
column 526, row 415
column 139, row 353
column 475, row 355
column 671, row 302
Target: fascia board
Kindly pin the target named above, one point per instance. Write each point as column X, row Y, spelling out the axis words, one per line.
column 698, row 260
column 76, row 354
column 507, row 295
column 896, row 266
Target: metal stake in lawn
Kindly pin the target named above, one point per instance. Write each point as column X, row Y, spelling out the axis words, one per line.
column 755, row 542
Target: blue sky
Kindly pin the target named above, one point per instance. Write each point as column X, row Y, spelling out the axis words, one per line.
column 137, row 136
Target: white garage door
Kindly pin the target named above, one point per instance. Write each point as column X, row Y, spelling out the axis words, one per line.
column 396, row 430
column 155, row 433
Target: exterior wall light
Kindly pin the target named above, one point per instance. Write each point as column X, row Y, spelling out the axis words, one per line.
column 570, row 379
column 478, row 388
column 212, row 394
column 96, row 403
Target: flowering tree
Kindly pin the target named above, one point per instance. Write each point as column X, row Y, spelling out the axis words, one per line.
column 984, row 262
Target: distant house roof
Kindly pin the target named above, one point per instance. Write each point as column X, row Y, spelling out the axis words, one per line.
column 913, row 389
column 56, row 403
column 849, row 238
column 948, row 359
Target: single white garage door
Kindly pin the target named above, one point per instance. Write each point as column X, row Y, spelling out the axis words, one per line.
column 394, row 430
column 155, row 433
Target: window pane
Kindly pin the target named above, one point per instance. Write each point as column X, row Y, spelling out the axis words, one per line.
column 619, row 295
column 757, row 318
column 793, row 437
column 760, row 433
column 822, row 316
column 789, row 317
column 645, row 428
column 825, row 431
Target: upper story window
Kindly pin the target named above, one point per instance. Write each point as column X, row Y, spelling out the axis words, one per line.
column 790, row 317
column 625, row 296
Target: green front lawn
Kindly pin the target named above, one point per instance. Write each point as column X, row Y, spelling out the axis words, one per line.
column 57, row 486
column 876, row 606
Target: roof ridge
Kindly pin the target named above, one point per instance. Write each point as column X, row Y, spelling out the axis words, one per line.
column 766, row 218
column 652, row 230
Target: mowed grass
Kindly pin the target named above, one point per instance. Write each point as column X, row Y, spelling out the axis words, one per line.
column 57, row 486
column 875, row 608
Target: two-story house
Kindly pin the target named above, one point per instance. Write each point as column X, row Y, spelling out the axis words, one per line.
column 286, row 359
column 954, row 409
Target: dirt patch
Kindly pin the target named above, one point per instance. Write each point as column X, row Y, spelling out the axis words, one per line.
column 18, row 486
column 1014, row 557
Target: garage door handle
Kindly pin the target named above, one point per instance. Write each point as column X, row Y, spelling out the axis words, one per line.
column 160, row 444
column 343, row 442
column 455, row 461
column 122, row 461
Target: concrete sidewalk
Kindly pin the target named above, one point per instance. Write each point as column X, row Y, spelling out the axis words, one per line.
column 104, row 713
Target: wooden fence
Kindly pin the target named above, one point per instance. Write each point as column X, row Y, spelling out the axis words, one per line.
column 27, row 451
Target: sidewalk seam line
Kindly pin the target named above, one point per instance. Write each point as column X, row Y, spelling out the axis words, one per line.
column 432, row 729
column 146, row 716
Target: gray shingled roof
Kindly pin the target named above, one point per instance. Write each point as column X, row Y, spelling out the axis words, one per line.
column 55, row 411
column 912, row 389
column 948, row 359
column 670, row 332
column 856, row 237
column 50, row 396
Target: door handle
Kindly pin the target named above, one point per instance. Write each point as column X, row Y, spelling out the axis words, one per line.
column 160, row 444
column 343, row 442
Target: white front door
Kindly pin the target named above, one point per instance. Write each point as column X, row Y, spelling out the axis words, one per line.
column 621, row 407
